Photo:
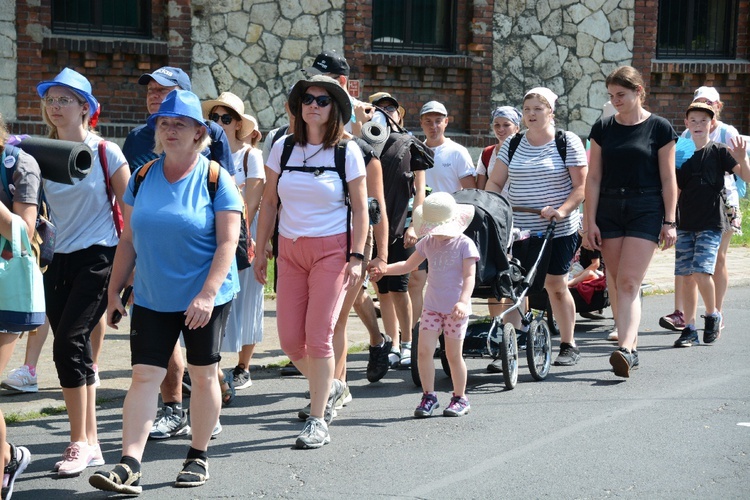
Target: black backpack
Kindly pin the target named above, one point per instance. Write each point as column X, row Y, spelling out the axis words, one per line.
column 560, row 141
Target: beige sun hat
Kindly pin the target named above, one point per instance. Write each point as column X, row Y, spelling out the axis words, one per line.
column 231, row 101
column 441, row 215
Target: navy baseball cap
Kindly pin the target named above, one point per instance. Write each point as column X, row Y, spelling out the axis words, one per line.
column 329, row 62
column 167, row 76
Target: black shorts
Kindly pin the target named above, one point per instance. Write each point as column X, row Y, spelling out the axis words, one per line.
column 154, row 334
column 556, row 261
column 396, row 253
column 635, row 216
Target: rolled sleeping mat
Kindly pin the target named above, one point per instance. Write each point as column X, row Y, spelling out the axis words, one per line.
column 59, row 161
column 375, row 135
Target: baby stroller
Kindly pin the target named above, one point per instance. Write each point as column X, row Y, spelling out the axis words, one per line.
column 496, row 276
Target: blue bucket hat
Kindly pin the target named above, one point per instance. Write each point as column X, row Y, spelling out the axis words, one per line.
column 179, row 103
column 74, row 81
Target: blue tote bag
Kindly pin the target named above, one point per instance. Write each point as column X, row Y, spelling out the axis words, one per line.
column 21, row 286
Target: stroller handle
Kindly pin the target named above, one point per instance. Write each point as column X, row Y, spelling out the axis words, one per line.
column 529, row 210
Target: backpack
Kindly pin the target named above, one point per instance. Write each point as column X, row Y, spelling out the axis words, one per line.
column 243, row 255
column 487, row 156
column 339, row 160
column 561, row 142
column 46, row 233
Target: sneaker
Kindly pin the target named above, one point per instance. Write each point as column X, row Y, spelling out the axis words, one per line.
column 636, row 361
column 20, row 380
column 313, row 435
column 688, row 337
column 337, row 390
column 19, row 459
column 187, row 385
column 496, row 366
column 241, row 378
column 168, row 425
column 97, row 380
column 95, row 458
column 569, row 355
column 405, row 361
column 304, row 413
column 345, row 398
column 458, row 407
column 75, row 459
column 394, row 358
column 674, row 321
column 217, row 429
column 378, row 362
column 612, row 336
column 622, row 361
column 711, row 328
column 426, row 406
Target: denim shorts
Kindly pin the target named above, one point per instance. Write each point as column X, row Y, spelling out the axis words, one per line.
column 638, row 216
column 695, row 252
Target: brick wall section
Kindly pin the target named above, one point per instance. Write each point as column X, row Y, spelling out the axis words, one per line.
column 461, row 81
column 670, row 84
column 112, row 65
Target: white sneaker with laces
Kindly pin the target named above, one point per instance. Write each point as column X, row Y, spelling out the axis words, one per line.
column 20, row 380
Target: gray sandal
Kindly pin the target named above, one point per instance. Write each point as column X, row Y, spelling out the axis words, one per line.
column 190, row 474
column 110, row 481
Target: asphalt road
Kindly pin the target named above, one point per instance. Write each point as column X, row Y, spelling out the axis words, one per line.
column 678, row 428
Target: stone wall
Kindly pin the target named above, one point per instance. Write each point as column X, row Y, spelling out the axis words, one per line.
column 256, row 48
column 569, row 46
column 8, row 55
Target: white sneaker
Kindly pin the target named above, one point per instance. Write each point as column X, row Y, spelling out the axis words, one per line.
column 217, row 429
column 612, row 335
column 97, row 380
column 20, row 380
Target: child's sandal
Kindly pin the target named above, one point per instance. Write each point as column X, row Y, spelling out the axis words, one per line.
column 111, row 481
column 227, row 395
column 194, row 473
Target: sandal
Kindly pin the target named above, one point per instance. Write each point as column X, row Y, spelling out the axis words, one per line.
column 227, row 395
column 194, row 473
column 111, row 481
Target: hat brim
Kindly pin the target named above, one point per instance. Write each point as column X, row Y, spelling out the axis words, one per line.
column 164, row 82
column 247, row 123
column 452, row 227
column 43, row 87
column 334, row 90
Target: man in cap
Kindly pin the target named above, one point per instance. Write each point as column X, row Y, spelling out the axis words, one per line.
column 171, row 420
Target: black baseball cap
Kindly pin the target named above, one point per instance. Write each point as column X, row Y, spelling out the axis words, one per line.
column 329, row 62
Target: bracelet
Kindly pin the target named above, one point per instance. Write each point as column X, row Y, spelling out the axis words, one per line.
column 356, row 256
column 669, row 223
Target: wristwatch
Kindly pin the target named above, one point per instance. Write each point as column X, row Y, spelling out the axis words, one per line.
column 669, row 223
column 356, row 256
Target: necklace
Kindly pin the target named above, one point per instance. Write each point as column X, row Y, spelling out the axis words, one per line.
column 305, row 158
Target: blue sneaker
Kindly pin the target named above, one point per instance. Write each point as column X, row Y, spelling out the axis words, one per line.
column 688, row 337
column 426, row 406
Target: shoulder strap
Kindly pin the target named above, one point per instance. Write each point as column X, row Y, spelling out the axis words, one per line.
column 562, row 144
column 339, row 160
column 487, row 154
column 244, row 161
column 105, row 168
column 286, row 153
column 7, row 173
column 140, row 175
column 213, row 179
column 513, row 145
column 279, row 134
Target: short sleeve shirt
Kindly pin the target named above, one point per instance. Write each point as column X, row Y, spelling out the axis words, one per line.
column 452, row 163
column 446, row 270
column 174, row 236
column 26, row 182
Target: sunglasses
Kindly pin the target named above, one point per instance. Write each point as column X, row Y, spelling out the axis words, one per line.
column 390, row 108
column 321, row 100
column 226, row 119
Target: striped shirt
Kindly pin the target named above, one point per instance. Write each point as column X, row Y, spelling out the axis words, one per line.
column 539, row 178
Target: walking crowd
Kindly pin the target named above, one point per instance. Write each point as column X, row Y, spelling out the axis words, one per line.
column 176, row 216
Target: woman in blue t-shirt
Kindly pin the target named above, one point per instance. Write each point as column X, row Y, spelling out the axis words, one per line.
column 181, row 233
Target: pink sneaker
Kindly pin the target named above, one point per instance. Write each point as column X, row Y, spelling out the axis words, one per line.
column 95, row 458
column 75, row 459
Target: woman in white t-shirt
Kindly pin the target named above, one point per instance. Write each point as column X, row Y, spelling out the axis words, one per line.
column 75, row 283
column 316, row 261
column 245, row 324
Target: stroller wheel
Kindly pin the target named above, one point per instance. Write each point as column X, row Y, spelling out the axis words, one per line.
column 539, row 349
column 509, row 355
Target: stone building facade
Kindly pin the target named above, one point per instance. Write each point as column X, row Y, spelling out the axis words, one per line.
column 256, row 49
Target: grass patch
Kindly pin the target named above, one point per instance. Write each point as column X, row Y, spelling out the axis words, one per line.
column 744, row 240
column 49, row 411
column 270, row 273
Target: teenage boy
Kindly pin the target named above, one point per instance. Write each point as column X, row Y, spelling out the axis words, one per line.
column 701, row 218
column 171, row 420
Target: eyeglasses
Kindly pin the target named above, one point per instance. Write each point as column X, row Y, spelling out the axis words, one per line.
column 226, row 119
column 321, row 100
column 63, row 101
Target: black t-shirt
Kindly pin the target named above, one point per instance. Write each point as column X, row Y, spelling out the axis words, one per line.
column 701, row 182
column 630, row 153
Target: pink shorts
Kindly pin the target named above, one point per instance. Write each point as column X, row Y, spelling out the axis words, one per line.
column 309, row 294
column 435, row 322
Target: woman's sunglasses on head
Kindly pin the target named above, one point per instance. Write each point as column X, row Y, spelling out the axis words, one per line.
column 321, row 100
column 226, row 119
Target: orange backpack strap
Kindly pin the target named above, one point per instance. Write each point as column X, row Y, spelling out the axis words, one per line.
column 140, row 175
column 213, row 178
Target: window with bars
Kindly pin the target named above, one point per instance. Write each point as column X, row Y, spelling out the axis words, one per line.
column 697, row 29
column 109, row 18
column 414, row 25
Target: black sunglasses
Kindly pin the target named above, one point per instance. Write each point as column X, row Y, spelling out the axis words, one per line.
column 226, row 119
column 321, row 100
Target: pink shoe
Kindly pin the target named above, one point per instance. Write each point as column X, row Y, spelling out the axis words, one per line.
column 75, row 459
column 95, row 458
